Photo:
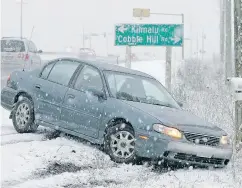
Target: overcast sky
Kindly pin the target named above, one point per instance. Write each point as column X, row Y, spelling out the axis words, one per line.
column 60, row 23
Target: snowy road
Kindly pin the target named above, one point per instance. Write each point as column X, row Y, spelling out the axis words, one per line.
column 44, row 160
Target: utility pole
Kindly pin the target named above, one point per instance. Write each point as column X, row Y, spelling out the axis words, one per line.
column 183, row 44
column 191, row 40
column 197, row 47
column 21, row 16
column 203, row 51
column 21, row 19
column 228, row 39
column 238, row 59
column 222, row 29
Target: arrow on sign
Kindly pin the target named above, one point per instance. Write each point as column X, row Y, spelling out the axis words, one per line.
column 176, row 39
column 122, row 29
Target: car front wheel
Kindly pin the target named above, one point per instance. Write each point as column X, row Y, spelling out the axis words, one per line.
column 119, row 143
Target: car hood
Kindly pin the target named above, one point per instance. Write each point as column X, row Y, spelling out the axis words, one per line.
column 178, row 118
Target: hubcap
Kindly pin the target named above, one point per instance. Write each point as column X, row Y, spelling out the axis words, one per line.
column 22, row 115
column 122, row 144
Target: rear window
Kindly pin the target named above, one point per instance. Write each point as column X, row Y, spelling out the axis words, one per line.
column 12, row 46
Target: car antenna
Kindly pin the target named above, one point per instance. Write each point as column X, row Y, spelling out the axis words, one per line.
column 28, row 44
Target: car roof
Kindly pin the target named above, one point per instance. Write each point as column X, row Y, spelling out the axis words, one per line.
column 109, row 67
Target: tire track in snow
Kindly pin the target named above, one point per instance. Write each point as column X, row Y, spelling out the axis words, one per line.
column 15, row 138
column 17, row 142
column 8, row 134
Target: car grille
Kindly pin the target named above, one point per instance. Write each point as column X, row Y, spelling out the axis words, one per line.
column 202, row 139
column 203, row 160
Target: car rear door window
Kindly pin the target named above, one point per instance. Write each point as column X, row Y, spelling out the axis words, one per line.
column 62, row 72
column 89, row 78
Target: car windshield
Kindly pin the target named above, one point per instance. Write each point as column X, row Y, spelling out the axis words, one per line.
column 12, row 46
column 139, row 89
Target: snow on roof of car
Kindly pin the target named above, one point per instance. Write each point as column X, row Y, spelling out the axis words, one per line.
column 110, row 67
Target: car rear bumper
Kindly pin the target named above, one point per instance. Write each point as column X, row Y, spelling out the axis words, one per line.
column 183, row 152
column 7, row 98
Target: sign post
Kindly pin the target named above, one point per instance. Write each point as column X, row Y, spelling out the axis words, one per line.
column 168, row 35
column 168, row 68
column 128, row 57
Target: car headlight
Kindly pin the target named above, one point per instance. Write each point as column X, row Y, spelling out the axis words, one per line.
column 172, row 132
column 224, row 140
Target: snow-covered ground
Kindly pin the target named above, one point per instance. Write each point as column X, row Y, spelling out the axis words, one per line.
column 43, row 160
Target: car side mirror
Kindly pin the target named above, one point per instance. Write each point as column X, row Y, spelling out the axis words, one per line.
column 180, row 104
column 39, row 51
column 98, row 93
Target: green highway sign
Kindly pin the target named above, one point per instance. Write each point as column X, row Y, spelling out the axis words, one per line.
column 149, row 35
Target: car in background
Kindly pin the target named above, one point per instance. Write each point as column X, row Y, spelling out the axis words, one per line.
column 129, row 112
column 86, row 52
column 19, row 51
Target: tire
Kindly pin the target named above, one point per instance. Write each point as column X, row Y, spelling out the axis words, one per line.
column 113, row 142
column 23, row 116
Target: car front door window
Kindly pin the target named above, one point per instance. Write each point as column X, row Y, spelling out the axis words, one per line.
column 89, row 78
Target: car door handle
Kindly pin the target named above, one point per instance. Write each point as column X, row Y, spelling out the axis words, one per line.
column 37, row 86
column 70, row 96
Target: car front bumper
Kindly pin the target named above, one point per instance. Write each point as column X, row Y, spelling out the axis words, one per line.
column 156, row 147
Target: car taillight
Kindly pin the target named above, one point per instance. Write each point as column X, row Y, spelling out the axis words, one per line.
column 9, row 82
column 26, row 57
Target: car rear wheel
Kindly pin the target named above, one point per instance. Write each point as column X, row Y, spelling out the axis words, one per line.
column 23, row 116
column 119, row 143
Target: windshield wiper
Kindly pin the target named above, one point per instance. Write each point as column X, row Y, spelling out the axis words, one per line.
column 163, row 104
column 127, row 96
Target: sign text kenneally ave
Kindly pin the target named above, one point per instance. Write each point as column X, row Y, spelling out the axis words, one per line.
column 149, row 35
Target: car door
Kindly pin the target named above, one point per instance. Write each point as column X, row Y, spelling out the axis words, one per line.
column 50, row 89
column 81, row 110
